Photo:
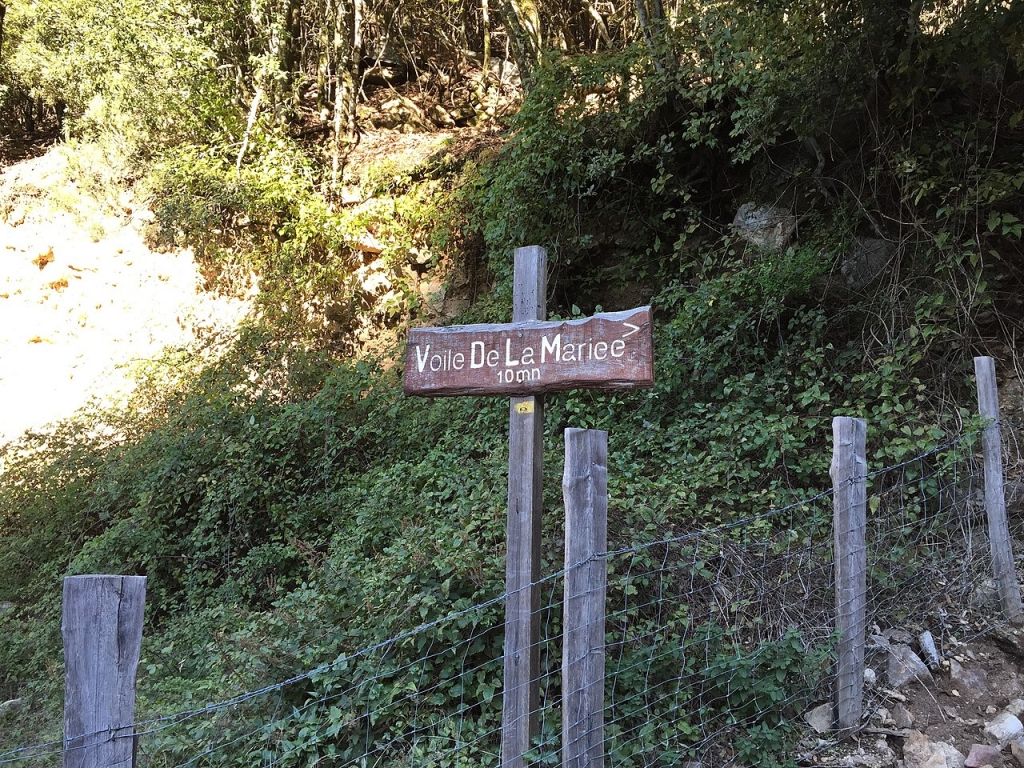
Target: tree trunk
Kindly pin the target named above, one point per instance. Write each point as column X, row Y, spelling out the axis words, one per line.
column 485, row 18
column 3, row 12
column 522, row 22
column 346, row 43
column 30, row 114
column 254, row 111
column 291, row 56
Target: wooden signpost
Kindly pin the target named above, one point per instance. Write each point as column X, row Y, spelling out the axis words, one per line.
column 522, row 360
column 606, row 351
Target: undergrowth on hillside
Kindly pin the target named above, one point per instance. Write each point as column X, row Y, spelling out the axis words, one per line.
column 289, row 505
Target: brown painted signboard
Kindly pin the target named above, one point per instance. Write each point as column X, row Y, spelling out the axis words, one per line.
column 613, row 350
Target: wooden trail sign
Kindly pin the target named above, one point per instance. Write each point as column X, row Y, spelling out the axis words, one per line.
column 522, row 360
column 606, row 351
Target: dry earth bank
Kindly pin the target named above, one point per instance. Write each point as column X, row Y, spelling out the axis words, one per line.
column 83, row 300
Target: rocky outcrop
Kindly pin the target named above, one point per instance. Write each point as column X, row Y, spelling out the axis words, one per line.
column 930, row 712
column 768, row 227
column 865, row 260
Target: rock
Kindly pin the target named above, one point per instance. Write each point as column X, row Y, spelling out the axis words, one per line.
column 983, row 754
column 985, row 596
column 873, row 755
column 876, row 642
column 928, row 650
column 870, row 677
column 441, row 116
column 899, row 635
column 904, row 666
column 1017, row 750
column 820, row 718
column 920, row 752
column 974, row 680
column 765, row 226
column 1004, row 728
column 401, row 112
column 1015, row 707
column 866, row 259
column 506, row 72
column 954, row 757
column 901, row 717
column 11, row 705
column 385, row 71
column 367, row 243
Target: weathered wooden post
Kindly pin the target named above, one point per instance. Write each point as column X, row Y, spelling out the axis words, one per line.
column 102, row 630
column 521, row 695
column 585, row 490
column 995, row 499
column 522, row 360
column 849, row 482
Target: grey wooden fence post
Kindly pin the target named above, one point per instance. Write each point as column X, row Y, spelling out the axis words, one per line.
column 521, row 695
column 585, row 490
column 849, row 482
column 102, row 630
column 995, row 499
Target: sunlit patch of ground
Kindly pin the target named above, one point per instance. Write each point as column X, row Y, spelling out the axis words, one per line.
column 83, row 300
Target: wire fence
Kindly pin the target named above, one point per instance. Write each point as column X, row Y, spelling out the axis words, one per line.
column 716, row 643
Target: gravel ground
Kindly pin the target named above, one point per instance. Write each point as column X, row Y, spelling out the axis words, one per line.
column 83, row 299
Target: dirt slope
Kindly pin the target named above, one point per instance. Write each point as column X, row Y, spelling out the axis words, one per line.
column 82, row 298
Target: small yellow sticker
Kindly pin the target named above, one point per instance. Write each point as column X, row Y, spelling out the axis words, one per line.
column 526, row 407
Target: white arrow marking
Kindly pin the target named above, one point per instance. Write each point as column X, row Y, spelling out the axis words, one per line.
column 630, row 325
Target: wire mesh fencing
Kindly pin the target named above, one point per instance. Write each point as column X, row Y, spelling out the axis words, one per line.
column 716, row 642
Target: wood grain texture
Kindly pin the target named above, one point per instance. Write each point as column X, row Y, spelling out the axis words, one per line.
column 607, row 351
column 585, row 491
column 102, row 631
column 849, row 482
column 995, row 496
column 521, row 692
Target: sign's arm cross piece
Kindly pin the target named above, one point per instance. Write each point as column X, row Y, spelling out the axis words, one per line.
column 605, row 351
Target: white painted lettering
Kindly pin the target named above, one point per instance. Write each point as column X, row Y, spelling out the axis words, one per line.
column 526, row 358
column 619, row 345
column 600, row 350
column 508, row 354
column 421, row 360
column 492, row 357
column 569, row 353
column 459, row 361
column 554, row 347
column 476, row 355
column 435, row 363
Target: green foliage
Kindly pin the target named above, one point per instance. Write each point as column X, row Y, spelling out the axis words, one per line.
column 267, row 223
column 293, row 510
column 590, row 169
column 129, row 69
column 684, row 682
